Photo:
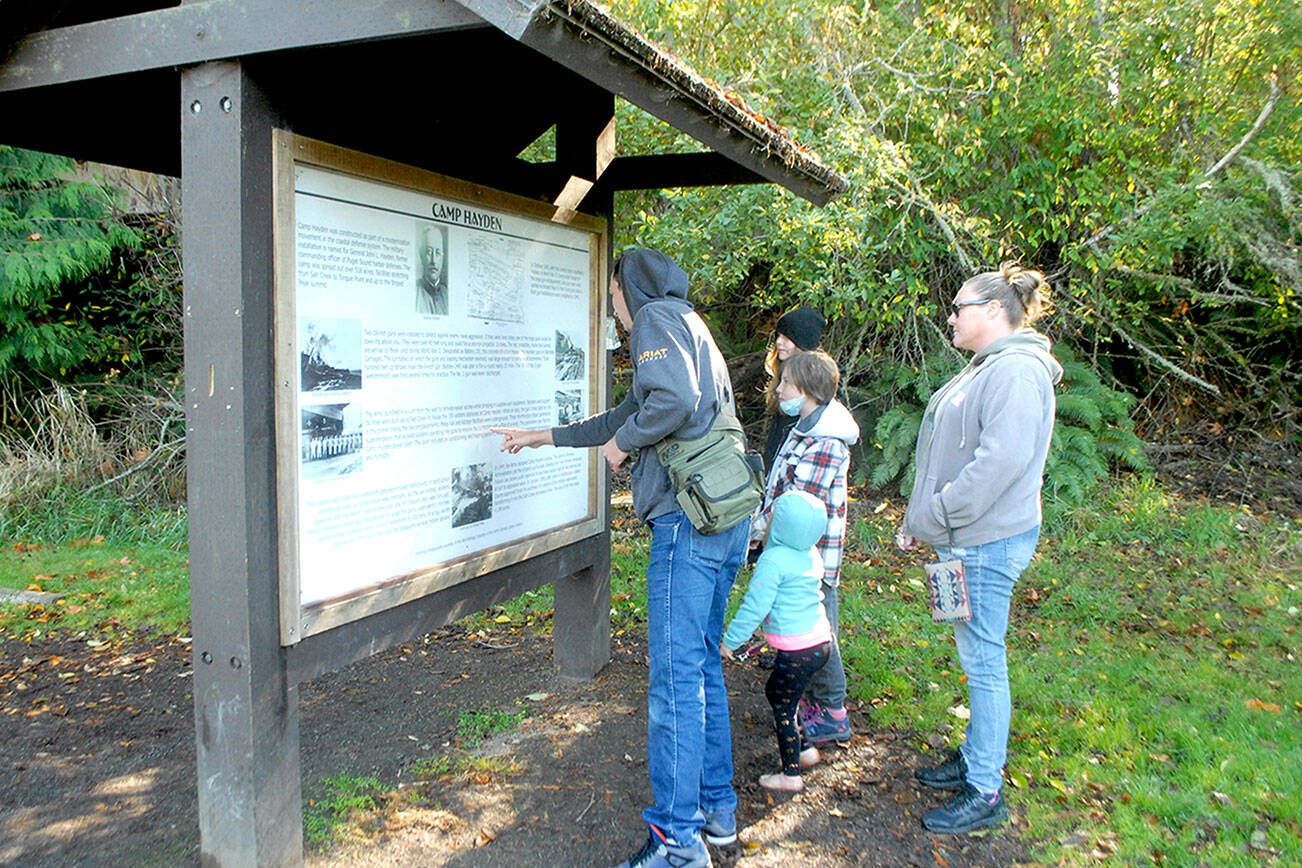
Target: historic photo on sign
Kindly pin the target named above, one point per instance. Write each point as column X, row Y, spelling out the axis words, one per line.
column 432, row 271
column 472, row 494
column 330, row 359
column 331, row 439
column 569, row 358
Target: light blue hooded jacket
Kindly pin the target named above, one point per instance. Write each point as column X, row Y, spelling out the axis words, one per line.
column 785, row 593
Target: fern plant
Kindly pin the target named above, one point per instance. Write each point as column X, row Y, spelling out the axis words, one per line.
column 1092, row 436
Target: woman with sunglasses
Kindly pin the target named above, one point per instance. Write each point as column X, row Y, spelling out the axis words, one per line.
column 976, row 498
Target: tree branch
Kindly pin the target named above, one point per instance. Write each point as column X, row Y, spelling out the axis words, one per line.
column 1250, row 134
column 1093, row 240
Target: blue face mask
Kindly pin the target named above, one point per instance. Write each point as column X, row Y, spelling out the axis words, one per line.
column 792, row 406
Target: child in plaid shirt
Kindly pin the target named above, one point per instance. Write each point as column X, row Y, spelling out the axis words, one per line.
column 815, row 458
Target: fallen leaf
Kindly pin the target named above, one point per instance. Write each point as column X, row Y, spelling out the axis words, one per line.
column 1258, row 705
column 537, row 697
column 484, row 837
column 961, row 712
column 1258, row 840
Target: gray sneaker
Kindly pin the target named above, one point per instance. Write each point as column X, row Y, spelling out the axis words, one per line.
column 659, row 852
column 720, row 827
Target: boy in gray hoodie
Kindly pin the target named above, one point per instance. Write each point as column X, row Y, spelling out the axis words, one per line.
column 680, row 382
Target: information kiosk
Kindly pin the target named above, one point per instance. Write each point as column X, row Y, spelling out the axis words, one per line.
column 372, row 277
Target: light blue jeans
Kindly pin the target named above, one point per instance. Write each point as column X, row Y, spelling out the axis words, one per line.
column 992, row 569
column 827, row 686
column 689, row 740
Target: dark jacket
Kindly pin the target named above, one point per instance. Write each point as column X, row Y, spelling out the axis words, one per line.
column 680, row 379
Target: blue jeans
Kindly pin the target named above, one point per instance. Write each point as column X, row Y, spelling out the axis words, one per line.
column 689, row 740
column 992, row 569
column 827, row 686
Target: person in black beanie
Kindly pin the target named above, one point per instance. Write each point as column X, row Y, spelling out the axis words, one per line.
column 798, row 330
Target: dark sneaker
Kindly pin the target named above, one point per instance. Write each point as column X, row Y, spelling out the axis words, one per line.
column 949, row 775
column 968, row 811
column 720, row 827
column 819, row 727
column 658, row 852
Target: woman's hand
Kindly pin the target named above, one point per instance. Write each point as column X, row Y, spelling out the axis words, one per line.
column 515, row 439
column 907, row 543
column 725, row 651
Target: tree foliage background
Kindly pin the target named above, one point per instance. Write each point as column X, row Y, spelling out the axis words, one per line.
column 1143, row 154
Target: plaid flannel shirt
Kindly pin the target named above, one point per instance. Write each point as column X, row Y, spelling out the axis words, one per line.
column 818, row 465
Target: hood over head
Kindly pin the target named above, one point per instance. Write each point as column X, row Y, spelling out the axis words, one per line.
column 799, row 520
column 830, row 420
column 1025, row 340
column 647, row 275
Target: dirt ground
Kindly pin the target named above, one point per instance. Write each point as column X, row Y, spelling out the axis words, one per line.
column 97, row 763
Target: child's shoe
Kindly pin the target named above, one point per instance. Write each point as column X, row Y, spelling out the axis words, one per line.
column 782, row 782
column 818, row 726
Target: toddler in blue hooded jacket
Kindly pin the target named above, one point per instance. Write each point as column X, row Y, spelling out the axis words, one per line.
column 785, row 596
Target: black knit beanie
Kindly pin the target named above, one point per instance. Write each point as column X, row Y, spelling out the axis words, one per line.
column 803, row 325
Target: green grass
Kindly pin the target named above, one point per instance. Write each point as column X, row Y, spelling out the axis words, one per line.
column 66, row 516
column 479, row 724
column 346, row 798
column 1153, row 655
column 103, row 588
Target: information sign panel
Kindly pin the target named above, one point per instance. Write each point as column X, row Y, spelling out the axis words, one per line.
column 413, row 312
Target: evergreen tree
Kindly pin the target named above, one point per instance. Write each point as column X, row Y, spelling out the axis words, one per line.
column 55, row 233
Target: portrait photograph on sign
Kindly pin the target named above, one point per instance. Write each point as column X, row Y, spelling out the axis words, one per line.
column 413, row 312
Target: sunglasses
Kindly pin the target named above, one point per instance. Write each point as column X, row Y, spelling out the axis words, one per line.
column 957, row 307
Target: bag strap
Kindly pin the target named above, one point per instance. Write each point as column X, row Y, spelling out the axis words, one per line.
column 945, row 510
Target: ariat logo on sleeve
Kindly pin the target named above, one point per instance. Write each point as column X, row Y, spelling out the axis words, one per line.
column 653, row 355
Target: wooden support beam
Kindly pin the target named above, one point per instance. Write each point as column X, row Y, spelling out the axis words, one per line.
column 657, row 171
column 245, row 704
column 216, row 30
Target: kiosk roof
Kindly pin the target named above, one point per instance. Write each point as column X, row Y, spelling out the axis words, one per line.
column 457, row 85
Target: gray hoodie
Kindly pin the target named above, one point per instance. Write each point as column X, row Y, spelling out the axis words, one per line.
column 679, row 378
column 982, row 446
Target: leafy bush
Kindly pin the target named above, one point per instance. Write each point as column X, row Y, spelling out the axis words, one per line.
column 1088, row 142
column 1093, row 434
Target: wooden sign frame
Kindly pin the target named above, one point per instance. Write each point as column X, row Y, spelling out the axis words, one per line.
column 299, row 620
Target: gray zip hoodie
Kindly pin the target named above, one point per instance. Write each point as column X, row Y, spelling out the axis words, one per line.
column 679, row 379
column 982, row 446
